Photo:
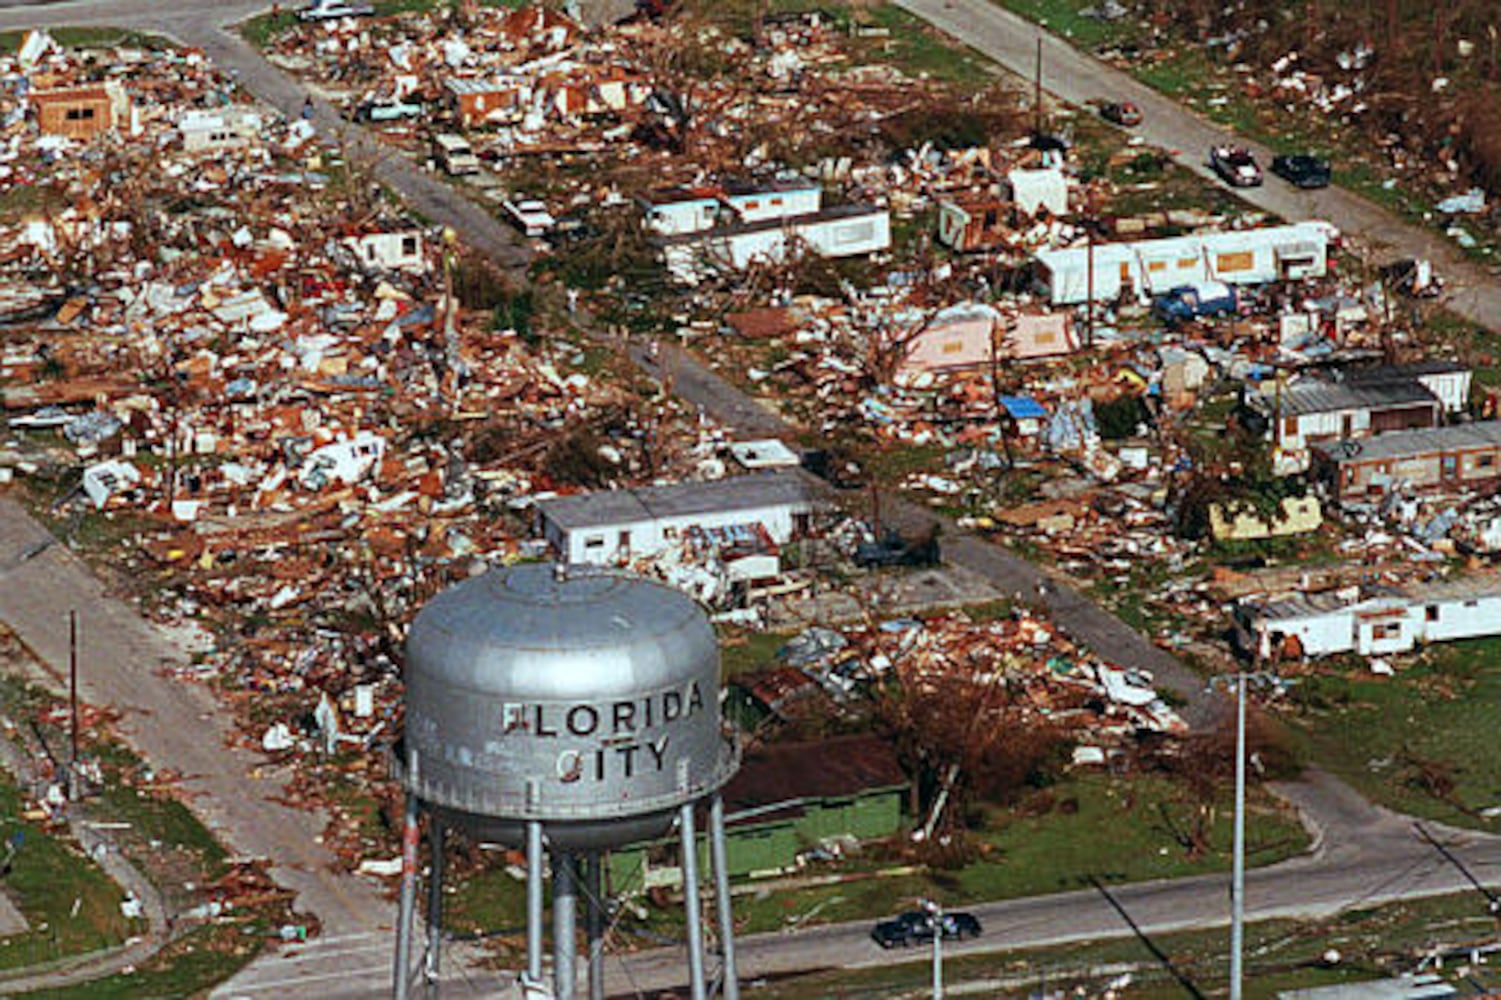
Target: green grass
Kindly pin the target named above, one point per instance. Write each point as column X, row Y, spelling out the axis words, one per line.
column 189, row 966
column 742, row 652
column 71, row 905
column 1437, row 714
column 1115, row 829
column 90, row 38
column 261, row 29
column 919, row 50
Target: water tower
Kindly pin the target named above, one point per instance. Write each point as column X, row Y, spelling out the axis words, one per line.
column 565, row 712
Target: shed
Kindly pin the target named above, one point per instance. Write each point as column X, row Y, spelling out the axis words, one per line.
column 82, row 112
column 787, row 798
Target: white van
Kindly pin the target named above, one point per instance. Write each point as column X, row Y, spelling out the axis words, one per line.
column 454, row 155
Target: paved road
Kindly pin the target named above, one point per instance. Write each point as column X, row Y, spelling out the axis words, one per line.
column 1075, row 77
column 1363, row 856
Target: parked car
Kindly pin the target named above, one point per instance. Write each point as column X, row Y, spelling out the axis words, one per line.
column 387, row 111
column 530, row 216
column 916, row 927
column 1235, row 165
column 894, row 550
column 327, row 10
column 1121, row 113
column 1198, row 301
column 1302, row 170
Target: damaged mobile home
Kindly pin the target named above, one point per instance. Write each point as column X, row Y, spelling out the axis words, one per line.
column 1373, row 621
column 1144, row 268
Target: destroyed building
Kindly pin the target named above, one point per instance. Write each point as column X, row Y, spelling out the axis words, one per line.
column 615, row 526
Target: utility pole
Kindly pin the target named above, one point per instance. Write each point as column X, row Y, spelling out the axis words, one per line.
column 1089, row 291
column 935, row 916
column 1037, row 91
column 73, row 705
column 1238, row 868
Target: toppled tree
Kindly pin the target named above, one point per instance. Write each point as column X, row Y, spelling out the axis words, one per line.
column 963, row 739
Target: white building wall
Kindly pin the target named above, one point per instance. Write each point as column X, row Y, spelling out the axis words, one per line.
column 674, row 218
column 600, row 546
column 1452, row 389
column 1319, row 635
column 759, row 206
column 1460, row 619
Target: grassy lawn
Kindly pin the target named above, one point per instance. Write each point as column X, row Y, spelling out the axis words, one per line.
column 71, row 905
column 1091, row 825
column 1424, row 741
column 1280, row 955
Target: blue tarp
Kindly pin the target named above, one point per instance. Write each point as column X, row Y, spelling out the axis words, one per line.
column 1023, row 408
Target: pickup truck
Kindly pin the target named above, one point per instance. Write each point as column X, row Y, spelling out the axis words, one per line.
column 1200, row 301
column 894, row 550
column 327, row 10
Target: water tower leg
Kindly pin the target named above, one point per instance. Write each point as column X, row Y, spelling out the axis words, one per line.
column 718, row 856
column 434, row 963
column 408, row 904
column 534, row 889
column 564, row 924
column 696, row 986
column 594, row 922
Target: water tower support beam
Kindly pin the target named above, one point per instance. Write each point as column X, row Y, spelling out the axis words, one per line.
column 564, row 924
column 534, row 889
column 718, row 857
column 408, row 900
column 434, row 959
column 691, row 906
column 594, row 922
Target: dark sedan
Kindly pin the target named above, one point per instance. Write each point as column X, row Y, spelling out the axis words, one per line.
column 916, row 927
column 1302, row 170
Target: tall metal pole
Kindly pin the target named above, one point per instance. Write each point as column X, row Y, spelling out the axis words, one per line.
column 724, row 911
column 1037, row 91
column 73, row 705
column 408, row 901
column 697, row 989
column 564, row 924
column 594, row 922
column 1238, row 871
column 1089, row 292
column 937, row 952
column 533, row 897
column 433, row 963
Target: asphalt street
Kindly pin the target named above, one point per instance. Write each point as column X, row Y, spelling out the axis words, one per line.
column 1365, row 856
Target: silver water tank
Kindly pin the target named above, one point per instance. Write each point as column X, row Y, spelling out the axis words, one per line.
column 586, row 699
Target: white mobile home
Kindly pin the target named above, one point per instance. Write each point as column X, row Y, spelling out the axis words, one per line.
column 844, row 231
column 394, row 250
column 1373, row 622
column 229, row 128
column 615, row 526
column 679, row 211
column 1150, row 267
